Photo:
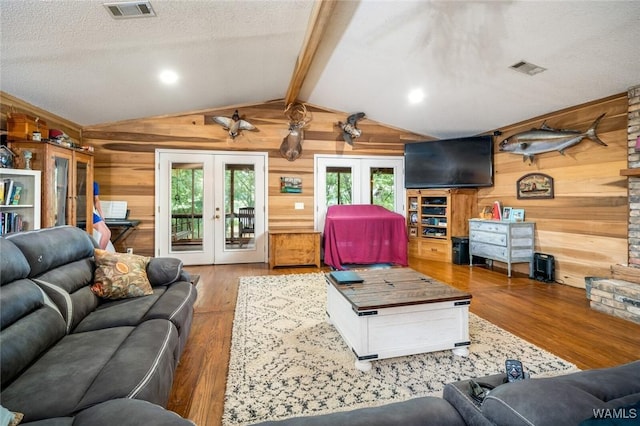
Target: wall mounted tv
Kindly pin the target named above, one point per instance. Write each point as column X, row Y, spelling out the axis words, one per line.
column 450, row 163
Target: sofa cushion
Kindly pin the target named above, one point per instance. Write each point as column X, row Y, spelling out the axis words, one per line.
column 128, row 412
column 84, row 369
column 30, row 326
column 44, row 249
column 68, row 288
column 567, row 399
column 13, row 264
column 422, row 411
column 120, row 275
column 174, row 303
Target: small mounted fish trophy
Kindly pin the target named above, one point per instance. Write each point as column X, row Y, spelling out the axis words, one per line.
column 234, row 124
column 349, row 129
column 299, row 117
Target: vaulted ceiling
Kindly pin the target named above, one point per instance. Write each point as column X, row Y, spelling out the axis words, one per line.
column 75, row 60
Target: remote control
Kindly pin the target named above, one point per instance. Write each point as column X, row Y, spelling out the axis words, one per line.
column 515, row 371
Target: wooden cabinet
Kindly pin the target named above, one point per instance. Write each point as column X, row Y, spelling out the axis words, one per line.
column 504, row 241
column 289, row 248
column 434, row 216
column 20, row 208
column 67, row 181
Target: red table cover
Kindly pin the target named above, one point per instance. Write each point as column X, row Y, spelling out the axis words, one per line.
column 365, row 234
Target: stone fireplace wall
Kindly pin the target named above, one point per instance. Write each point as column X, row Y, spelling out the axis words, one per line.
column 633, row 133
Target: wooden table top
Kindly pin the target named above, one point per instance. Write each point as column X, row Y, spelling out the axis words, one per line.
column 393, row 287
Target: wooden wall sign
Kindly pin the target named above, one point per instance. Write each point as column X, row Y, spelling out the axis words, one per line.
column 535, row 185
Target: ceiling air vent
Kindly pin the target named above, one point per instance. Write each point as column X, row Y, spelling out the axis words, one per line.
column 130, row 9
column 527, row 68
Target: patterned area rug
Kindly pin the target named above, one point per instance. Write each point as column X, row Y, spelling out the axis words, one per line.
column 287, row 360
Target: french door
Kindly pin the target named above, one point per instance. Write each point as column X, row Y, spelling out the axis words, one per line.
column 358, row 180
column 211, row 206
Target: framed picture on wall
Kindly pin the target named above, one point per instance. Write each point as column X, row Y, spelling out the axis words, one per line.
column 535, row 185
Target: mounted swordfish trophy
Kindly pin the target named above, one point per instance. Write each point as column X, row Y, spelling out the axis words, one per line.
column 299, row 117
column 548, row 139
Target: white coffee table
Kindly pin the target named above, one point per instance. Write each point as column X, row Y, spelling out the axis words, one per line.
column 397, row 312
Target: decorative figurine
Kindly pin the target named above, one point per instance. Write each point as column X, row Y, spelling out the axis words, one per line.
column 27, row 159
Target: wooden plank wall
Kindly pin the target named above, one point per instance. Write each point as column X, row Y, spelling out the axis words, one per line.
column 585, row 225
column 124, row 156
column 10, row 104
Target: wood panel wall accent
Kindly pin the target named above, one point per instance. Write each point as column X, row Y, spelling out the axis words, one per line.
column 124, row 156
column 11, row 104
column 585, row 225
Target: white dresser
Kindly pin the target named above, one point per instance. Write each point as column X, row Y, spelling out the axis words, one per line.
column 504, row 241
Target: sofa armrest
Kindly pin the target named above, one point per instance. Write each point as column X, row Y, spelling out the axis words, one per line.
column 166, row 270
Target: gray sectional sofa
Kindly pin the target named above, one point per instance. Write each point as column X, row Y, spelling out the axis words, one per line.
column 69, row 357
column 609, row 396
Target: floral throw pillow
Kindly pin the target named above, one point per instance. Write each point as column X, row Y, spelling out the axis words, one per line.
column 120, row 275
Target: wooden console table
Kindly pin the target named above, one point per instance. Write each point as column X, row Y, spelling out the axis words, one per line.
column 294, row 247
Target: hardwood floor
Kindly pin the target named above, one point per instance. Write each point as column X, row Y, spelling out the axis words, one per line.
column 553, row 316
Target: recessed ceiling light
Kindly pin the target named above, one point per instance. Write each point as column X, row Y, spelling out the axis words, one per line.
column 168, row 77
column 416, row 96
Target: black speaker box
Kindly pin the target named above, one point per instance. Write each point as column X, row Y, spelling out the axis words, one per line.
column 544, row 267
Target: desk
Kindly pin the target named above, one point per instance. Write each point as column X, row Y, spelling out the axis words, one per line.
column 123, row 225
column 364, row 234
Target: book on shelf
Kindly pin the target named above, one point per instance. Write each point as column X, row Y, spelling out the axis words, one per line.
column 10, row 192
column 15, row 195
column 10, row 222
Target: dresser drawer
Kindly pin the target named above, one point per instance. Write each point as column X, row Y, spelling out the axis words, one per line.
column 434, row 249
column 488, row 250
column 488, row 237
column 521, row 231
column 489, row 226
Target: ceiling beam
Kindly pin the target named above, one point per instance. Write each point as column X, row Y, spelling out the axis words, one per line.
column 318, row 23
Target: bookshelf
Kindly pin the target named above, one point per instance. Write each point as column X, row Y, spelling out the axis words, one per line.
column 434, row 217
column 22, row 214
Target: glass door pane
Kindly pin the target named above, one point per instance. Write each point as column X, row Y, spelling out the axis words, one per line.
column 186, row 200
column 239, row 206
column 339, row 185
column 382, row 187
column 82, row 175
column 61, row 187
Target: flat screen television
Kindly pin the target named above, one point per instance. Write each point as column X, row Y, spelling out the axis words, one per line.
column 449, row 163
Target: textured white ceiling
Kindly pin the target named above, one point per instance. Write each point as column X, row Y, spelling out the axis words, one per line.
column 73, row 59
